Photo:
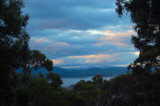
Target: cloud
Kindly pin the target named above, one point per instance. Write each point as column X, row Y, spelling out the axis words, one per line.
column 81, row 42
column 122, row 65
column 80, row 33
column 98, row 60
column 136, row 53
column 71, row 14
column 57, row 61
column 41, row 40
column 117, row 38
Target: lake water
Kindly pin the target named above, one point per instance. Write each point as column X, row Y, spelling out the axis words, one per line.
column 70, row 81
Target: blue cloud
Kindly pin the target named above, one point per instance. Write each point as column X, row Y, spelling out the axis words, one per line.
column 65, row 28
column 71, row 14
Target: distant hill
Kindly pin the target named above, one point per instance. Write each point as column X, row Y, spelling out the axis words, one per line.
column 111, row 71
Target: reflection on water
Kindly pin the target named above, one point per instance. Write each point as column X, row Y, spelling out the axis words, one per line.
column 70, row 81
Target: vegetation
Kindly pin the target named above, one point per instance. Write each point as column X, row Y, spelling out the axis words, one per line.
column 138, row 88
column 145, row 15
column 14, row 50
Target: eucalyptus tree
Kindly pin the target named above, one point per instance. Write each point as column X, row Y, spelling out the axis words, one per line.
column 13, row 43
column 34, row 61
column 145, row 15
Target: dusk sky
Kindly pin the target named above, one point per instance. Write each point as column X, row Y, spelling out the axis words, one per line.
column 80, row 33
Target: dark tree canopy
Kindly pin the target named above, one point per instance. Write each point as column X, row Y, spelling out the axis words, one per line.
column 13, row 43
column 145, row 15
column 13, row 36
column 55, row 79
column 34, row 61
column 14, row 50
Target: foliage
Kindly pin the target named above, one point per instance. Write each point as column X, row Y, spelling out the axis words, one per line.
column 22, row 97
column 94, row 92
column 13, row 36
column 98, row 81
column 14, row 44
column 122, row 90
column 35, row 60
column 145, row 14
column 145, row 69
column 55, row 79
column 14, row 50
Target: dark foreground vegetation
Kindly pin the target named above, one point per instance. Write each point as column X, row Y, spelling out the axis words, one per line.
column 123, row 90
column 139, row 88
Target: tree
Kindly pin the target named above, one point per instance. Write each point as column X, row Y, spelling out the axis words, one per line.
column 98, row 81
column 151, row 92
column 13, row 36
column 94, row 92
column 145, row 15
column 22, row 97
column 13, row 41
column 55, row 79
column 14, row 50
column 34, row 61
column 122, row 91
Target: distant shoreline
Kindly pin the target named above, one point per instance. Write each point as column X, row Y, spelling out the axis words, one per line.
column 67, row 82
column 85, row 77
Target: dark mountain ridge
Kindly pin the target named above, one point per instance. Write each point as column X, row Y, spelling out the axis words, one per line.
column 111, row 71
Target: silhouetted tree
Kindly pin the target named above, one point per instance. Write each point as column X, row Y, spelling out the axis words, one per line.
column 145, row 15
column 22, row 97
column 13, row 43
column 14, row 50
column 55, row 80
column 98, row 81
column 35, row 60
column 94, row 92
column 122, row 91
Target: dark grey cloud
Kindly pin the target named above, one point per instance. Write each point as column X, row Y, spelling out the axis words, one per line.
column 71, row 14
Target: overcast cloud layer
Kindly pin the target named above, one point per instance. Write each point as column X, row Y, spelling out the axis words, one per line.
column 80, row 33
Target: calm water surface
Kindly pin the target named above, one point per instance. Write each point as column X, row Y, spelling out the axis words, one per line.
column 70, row 81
